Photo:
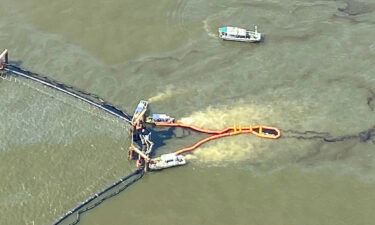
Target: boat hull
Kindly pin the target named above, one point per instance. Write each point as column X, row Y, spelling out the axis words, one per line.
column 166, row 161
column 240, row 39
column 239, row 34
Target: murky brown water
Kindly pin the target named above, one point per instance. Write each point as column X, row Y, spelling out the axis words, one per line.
column 313, row 72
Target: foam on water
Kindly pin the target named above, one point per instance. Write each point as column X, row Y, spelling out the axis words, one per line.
column 229, row 149
column 207, row 29
column 224, row 151
column 221, row 117
column 168, row 93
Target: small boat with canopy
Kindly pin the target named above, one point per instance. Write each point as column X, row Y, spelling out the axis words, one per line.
column 239, row 34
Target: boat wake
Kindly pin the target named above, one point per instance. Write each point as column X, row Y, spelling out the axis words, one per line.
column 207, row 29
column 162, row 96
column 176, row 17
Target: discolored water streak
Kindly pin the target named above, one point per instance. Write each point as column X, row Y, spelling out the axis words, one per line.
column 312, row 77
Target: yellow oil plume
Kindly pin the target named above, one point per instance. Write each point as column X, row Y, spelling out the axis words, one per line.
column 207, row 29
column 247, row 147
column 229, row 149
column 219, row 118
column 168, row 93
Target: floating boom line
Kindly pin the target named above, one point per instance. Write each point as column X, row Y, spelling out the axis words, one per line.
column 100, row 196
column 74, row 93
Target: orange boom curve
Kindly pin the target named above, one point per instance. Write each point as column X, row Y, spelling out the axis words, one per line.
column 259, row 131
column 192, row 127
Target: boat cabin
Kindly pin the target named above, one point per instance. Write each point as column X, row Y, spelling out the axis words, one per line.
column 234, row 32
column 160, row 118
column 239, row 34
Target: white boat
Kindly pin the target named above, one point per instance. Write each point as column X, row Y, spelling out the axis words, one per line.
column 139, row 111
column 160, row 118
column 239, row 34
column 166, row 161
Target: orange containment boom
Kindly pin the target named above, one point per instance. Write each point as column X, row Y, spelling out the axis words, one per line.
column 259, row 131
column 266, row 132
column 192, row 127
column 205, row 140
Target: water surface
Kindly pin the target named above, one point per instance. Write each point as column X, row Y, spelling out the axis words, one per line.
column 312, row 77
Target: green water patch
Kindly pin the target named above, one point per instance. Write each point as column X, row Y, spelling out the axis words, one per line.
column 232, row 196
column 46, row 180
column 56, row 152
column 110, row 30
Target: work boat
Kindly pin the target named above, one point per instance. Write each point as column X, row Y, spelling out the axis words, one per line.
column 166, row 161
column 239, row 34
column 159, row 118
